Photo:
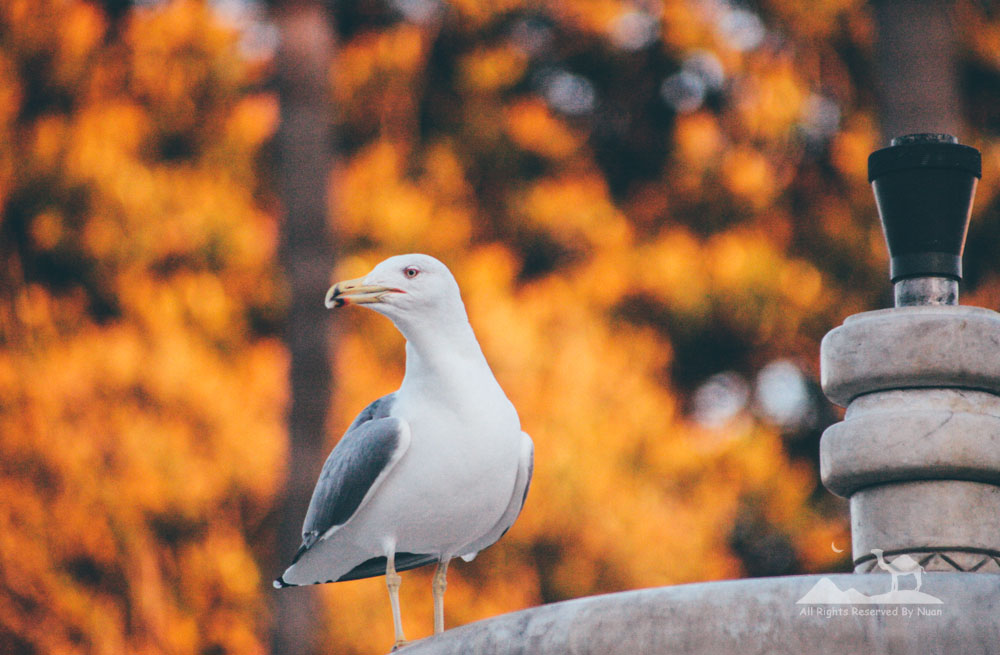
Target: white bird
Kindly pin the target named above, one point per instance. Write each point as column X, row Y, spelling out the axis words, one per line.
column 436, row 470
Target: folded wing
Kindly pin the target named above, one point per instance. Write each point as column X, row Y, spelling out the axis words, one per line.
column 352, row 473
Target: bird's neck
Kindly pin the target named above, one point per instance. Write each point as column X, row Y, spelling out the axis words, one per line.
column 447, row 353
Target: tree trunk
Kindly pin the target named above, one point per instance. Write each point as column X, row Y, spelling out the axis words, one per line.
column 916, row 67
column 304, row 160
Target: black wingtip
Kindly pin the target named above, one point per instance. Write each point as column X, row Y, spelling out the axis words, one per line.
column 281, row 584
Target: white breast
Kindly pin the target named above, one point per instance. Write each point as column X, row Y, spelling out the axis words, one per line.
column 457, row 477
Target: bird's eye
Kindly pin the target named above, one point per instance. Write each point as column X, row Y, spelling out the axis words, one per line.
column 411, row 271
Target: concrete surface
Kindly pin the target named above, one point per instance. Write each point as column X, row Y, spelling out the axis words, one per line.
column 747, row 617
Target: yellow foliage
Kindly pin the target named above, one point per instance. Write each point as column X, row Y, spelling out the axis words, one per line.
column 673, row 268
column 771, row 102
column 253, row 120
column 851, row 148
column 801, row 284
column 379, row 199
column 476, row 12
column 683, row 25
column 490, row 70
column 533, row 127
column 576, row 210
column 141, row 416
column 699, row 141
column 590, row 15
column 748, row 175
column 401, row 48
column 815, row 19
column 372, row 58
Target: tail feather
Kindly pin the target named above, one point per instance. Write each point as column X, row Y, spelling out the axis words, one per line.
column 368, row 568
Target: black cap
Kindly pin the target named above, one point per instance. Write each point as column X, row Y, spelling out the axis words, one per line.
column 924, row 185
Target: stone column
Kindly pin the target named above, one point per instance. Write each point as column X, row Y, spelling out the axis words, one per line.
column 918, row 451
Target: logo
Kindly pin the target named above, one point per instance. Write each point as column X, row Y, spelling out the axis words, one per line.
column 826, row 592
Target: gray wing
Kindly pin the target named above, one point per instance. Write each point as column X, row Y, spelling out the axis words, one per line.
column 379, row 408
column 372, row 444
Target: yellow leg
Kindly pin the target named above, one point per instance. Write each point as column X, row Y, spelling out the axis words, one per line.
column 438, row 587
column 392, row 581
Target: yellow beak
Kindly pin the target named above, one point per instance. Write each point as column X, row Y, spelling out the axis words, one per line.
column 355, row 292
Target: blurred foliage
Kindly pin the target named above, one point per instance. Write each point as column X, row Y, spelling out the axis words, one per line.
column 141, row 391
column 648, row 206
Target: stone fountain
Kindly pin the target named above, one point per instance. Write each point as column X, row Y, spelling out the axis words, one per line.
column 917, row 454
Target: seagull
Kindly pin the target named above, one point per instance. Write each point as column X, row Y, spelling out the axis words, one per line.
column 435, row 470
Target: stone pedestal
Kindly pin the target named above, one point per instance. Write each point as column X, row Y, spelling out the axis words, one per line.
column 755, row 617
column 918, row 451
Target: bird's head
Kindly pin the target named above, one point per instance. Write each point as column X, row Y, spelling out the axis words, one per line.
column 401, row 287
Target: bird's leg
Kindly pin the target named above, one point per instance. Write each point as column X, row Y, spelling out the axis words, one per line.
column 392, row 581
column 437, row 587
